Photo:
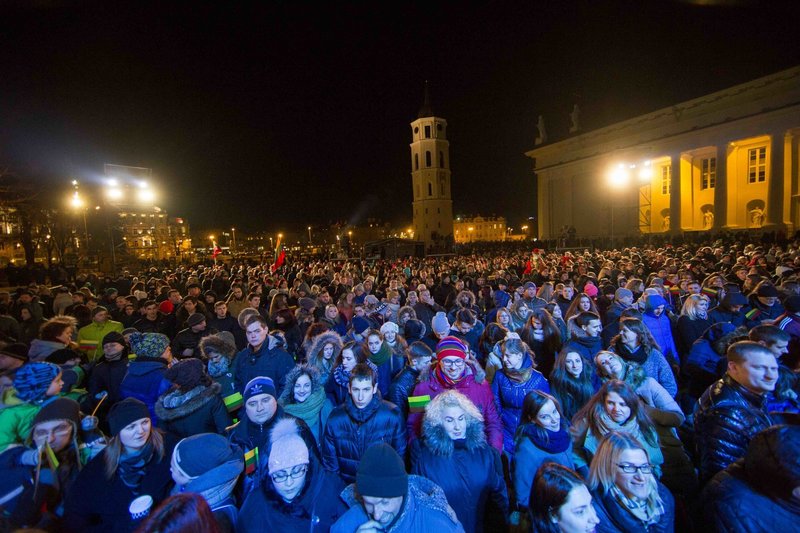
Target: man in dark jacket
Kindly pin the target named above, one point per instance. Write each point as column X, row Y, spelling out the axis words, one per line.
column 760, row 492
column 186, row 342
column 729, row 310
column 263, row 356
column 418, row 362
column 145, row 379
column 733, row 409
column 426, row 308
column 764, row 306
column 153, row 319
column 623, row 299
column 364, row 419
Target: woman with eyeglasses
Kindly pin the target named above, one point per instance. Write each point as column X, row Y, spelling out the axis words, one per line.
column 626, row 494
column 296, row 494
column 615, row 407
column 453, row 453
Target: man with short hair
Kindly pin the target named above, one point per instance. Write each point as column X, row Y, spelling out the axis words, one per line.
column 263, row 356
column 90, row 336
column 532, row 302
column 186, row 342
column 418, row 361
column 153, row 319
column 733, row 410
column 363, row 419
column 772, row 338
column 385, row 498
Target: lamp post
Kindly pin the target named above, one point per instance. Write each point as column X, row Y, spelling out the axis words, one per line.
column 77, row 203
column 233, row 233
column 309, row 235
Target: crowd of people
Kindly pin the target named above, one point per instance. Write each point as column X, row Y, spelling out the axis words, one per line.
column 650, row 388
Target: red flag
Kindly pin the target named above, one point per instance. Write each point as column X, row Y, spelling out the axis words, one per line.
column 279, row 261
column 216, row 252
column 528, row 268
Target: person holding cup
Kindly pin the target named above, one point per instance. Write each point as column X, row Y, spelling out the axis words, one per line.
column 136, row 463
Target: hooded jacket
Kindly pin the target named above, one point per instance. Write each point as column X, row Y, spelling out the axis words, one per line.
column 350, row 431
column 726, row 417
column 315, row 357
column 425, row 509
column 199, row 410
column 145, row 381
column 469, row 471
column 660, row 326
column 213, row 343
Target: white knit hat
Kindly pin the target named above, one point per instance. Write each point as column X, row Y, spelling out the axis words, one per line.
column 389, row 326
column 288, row 449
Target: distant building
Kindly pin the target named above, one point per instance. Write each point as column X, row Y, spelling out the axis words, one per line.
column 477, row 229
column 149, row 233
column 430, row 178
column 728, row 160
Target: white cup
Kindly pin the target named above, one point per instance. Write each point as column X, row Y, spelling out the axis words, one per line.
column 140, row 507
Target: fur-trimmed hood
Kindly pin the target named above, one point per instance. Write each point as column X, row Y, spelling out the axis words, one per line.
column 187, row 407
column 439, row 442
column 291, row 378
column 314, row 351
column 216, row 344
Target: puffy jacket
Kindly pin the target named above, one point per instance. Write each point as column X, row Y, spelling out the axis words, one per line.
column 187, row 339
column 479, row 393
column 16, row 420
column 738, row 499
column 402, row 387
column 688, row 331
column 702, row 354
column 271, row 360
column 615, row 519
column 186, row 415
column 508, row 398
column 424, row 510
column 480, row 472
column 755, row 313
column 350, row 431
column 145, row 381
column 726, row 417
column 790, row 323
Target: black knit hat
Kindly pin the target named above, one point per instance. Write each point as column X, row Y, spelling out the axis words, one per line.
column 126, row 412
column 59, row 409
column 195, row 319
column 381, row 473
column 187, row 374
column 114, row 336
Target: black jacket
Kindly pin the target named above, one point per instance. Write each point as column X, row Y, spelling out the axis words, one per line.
column 203, row 413
column 270, row 360
column 314, row 510
column 350, row 431
column 726, row 417
column 98, row 504
column 402, row 387
column 188, row 339
column 615, row 519
column 107, row 376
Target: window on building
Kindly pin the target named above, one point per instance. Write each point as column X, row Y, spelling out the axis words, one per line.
column 666, row 179
column 441, row 159
column 416, row 161
column 427, row 159
column 757, row 165
column 439, row 210
column 708, row 173
column 430, row 189
column 427, row 132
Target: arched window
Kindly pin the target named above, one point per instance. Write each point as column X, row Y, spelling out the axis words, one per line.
column 430, row 189
column 427, row 158
column 416, row 161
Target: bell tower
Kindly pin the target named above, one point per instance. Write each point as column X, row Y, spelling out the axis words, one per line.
column 430, row 177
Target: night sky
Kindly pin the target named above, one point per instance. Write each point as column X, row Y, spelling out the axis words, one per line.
column 264, row 114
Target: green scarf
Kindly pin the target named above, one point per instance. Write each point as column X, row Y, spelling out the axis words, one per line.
column 309, row 410
column 382, row 356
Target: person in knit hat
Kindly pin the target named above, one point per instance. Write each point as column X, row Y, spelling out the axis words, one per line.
column 108, row 373
column 136, row 462
column 145, row 379
column 251, row 433
column 359, row 329
column 12, row 357
column 295, row 491
column 90, row 336
column 209, row 465
column 456, row 370
column 36, row 499
column 194, row 404
column 385, row 498
column 35, row 384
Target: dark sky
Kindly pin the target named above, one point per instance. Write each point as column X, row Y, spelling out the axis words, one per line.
column 270, row 113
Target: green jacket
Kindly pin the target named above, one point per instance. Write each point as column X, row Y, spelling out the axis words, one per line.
column 90, row 338
column 16, row 419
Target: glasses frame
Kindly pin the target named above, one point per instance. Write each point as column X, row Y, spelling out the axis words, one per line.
column 645, row 469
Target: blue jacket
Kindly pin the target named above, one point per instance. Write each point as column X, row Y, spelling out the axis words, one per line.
column 145, row 381
column 271, row 360
column 508, row 398
column 702, row 354
column 425, row 511
column 660, row 327
column 350, row 431
column 615, row 519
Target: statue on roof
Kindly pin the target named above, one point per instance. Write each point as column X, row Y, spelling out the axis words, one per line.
column 541, row 136
column 575, row 117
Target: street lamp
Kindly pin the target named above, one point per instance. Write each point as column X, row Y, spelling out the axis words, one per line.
column 309, row 235
column 233, row 232
column 77, row 203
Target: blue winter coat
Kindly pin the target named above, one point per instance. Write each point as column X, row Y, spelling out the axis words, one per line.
column 702, row 354
column 271, row 360
column 350, row 431
column 508, row 398
column 145, row 381
column 425, row 511
column 527, row 459
column 660, row 327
